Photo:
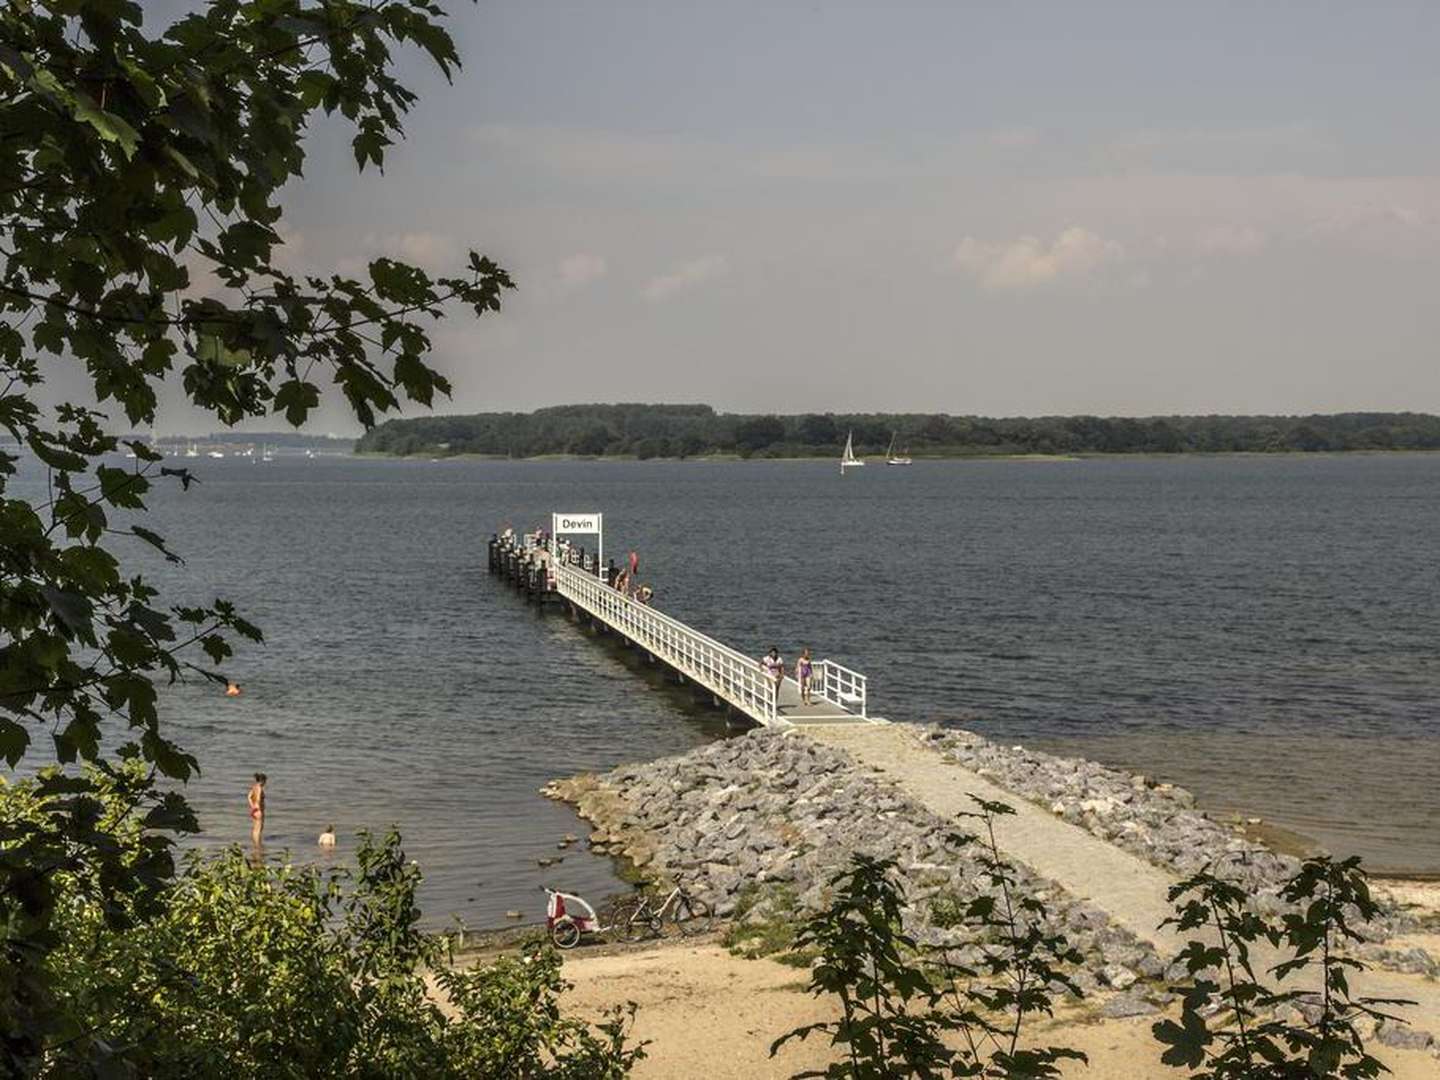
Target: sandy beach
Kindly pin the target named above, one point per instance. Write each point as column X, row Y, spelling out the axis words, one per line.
column 708, row 1013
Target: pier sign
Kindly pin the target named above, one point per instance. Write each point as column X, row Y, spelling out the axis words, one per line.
column 580, row 523
column 576, row 523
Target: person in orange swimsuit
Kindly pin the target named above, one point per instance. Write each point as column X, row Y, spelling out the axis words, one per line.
column 257, row 808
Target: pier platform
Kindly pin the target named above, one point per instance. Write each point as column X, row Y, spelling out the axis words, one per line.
column 549, row 572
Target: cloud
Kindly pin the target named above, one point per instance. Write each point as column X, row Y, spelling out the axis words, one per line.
column 1230, row 240
column 1284, row 148
column 426, row 249
column 688, row 275
column 1015, row 138
column 1029, row 261
column 582, row 268
column 589, row 155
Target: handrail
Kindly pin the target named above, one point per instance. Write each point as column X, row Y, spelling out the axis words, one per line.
column 725, row 671
column 841, row 686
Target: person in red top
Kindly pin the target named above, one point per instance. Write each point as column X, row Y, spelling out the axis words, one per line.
column 634, row 565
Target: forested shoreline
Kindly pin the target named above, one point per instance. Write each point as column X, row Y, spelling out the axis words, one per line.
column 681, row 431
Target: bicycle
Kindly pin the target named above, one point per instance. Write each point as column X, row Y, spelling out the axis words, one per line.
column 638, row 916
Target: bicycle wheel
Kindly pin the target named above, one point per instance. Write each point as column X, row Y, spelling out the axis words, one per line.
column 692, row 915
column 565, row 934
column 635, row 921
column 617, row 916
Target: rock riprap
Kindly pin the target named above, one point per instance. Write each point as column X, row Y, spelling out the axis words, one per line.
column 768, row 808
column 1160, row 823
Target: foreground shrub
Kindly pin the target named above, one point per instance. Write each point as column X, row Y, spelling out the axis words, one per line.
column 1250, row 1037
column 235, row 969
column 908, row 1010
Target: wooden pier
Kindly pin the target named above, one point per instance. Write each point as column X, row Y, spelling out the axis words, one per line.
column 548, row 574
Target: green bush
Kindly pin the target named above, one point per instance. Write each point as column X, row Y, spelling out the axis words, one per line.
column 909, row 1010
column 1249, row 1037
column 237, row 969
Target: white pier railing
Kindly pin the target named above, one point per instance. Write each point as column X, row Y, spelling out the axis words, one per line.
column 841, row 686
column 727, row 673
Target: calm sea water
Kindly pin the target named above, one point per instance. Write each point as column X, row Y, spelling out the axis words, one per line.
column 1263, row 630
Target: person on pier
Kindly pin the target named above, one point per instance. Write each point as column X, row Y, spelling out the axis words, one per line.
column 774, row 668
column 804, row 669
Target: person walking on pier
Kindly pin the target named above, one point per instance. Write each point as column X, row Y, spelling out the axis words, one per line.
column 803, row 672
column 774, row 667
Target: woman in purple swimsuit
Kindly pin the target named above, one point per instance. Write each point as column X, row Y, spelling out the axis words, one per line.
column 802, row 676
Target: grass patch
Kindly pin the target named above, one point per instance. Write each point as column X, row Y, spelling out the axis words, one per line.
column 765, row 921
column 947, row 910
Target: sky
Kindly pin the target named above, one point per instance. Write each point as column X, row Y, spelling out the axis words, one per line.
column 975, row 208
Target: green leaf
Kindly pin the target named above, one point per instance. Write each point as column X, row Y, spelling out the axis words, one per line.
column 212, row 349
column 157, row 542
column 122, row 488
column 1186, row 1044
column 107, row 125
column 14, row 740
column 297, row 399
column 71, row 609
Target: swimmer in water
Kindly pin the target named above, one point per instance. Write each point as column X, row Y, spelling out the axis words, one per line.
column 327, row 838
column 232, row 689
column 256, row 799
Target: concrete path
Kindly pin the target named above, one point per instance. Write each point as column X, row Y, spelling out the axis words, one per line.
column 1133, row 892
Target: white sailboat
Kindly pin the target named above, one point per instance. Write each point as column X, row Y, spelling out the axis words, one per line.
column 849, row 461
column 890, row 457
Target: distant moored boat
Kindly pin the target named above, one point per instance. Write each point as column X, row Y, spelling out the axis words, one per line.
column 890, row 456
column 849, row 460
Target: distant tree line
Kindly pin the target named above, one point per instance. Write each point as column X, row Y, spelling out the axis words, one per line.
column 680, row 431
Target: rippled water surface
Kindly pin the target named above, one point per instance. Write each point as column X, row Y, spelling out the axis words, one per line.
column 1263, row 630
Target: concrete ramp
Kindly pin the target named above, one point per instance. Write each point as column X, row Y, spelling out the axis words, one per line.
column 1133, row 892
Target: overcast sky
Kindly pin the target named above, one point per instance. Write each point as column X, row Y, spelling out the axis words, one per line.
column 1001, row 209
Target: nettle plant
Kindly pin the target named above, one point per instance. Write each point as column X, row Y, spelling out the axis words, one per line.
column 137, row 165
column 1252, row 1037
column 912, row 1010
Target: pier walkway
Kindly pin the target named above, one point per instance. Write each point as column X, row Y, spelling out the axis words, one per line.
column 550, row 573
column 1134, row 893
